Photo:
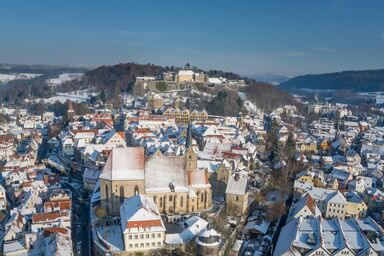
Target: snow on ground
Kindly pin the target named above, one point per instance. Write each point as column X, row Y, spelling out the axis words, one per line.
column 64, row 78
column 4, row 78
column 75, row 96
column 249, row 106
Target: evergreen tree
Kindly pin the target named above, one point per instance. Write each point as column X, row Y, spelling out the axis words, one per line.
column 103, row 96
column 290, row 146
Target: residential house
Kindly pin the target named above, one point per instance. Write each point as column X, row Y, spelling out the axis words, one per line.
column 141, row 223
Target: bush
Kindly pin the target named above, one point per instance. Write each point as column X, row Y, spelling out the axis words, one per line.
column 161, row 86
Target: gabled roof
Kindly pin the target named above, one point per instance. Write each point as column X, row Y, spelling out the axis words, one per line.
column 140, row 212
column 305, row 201
column 124, row 164
column 237, row 185
column 336, row 197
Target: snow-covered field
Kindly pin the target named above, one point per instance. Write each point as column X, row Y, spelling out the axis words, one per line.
column 4, row 78
column 64, row 78
column 76, row 96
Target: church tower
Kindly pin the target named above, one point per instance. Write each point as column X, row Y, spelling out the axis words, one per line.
column 70, row 110
column 190, row 159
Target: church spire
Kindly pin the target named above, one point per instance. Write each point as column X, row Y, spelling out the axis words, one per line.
column 188, row 141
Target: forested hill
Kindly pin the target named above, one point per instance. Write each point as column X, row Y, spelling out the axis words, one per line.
column 361, row 81
column 120, row 77
column 116, row 79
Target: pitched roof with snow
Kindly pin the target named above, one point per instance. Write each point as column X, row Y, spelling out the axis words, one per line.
column 140, row 213
column 305, row 201
column 237, row 185
column 124, row 164
column 161, row 171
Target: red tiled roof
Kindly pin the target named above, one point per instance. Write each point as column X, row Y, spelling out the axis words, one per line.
column 143, row 130
column 48, row 231
column 64, row 204
column 231, row 155
column 47, row 216
column 144, row 224
column 311, row 204
column 122, row 134
column 7, row 138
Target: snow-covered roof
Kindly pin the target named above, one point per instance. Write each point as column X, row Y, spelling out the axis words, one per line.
column 161, row 171
column 237, row 185
column 186, row 73
column 332, row 235
column 140, row 213
column 258, row 224
column 195, row 225
column 124, row 164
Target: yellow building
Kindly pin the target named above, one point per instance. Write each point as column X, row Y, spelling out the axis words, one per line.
column 174, row 182
column 325, row 145
column 236, row 195
column 154, row 101
column 201, row 77
column 356, row 207
column 331, row 183
column 185, row 76
column 309, row 144
column 305, row 176
column 184, row 116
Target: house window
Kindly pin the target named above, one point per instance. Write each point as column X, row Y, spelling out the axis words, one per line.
column 181, row 201
column 237, row 198
column 170, row 198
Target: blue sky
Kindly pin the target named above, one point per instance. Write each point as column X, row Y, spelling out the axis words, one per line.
column 248, row 37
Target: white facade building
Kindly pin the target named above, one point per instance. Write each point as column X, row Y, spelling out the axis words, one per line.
column 141, row 223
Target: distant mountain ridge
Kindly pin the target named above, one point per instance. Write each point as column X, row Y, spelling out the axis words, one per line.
column 273, row 78
column 361, row 81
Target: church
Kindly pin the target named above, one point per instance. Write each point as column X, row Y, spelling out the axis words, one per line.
column 174, row 182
